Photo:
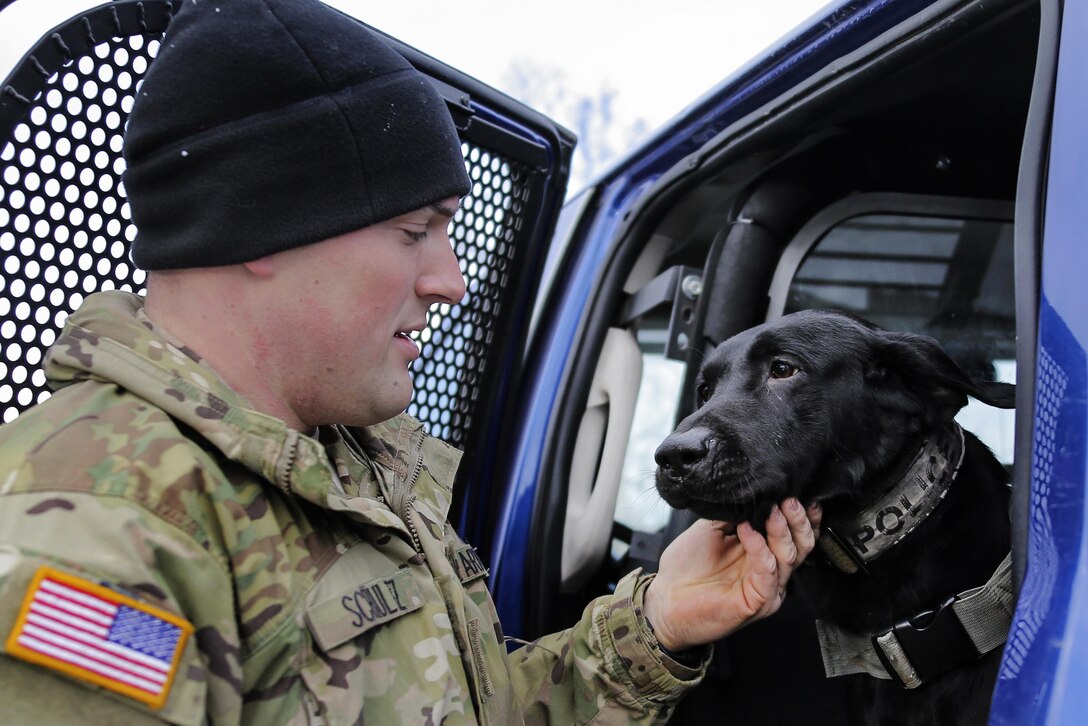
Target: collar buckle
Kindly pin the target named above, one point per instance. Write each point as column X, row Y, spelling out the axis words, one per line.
column 925, row 645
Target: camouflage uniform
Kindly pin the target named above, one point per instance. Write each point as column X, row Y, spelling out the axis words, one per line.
column 321, row 577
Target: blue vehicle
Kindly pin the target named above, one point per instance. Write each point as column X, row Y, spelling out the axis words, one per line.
column 919, row 162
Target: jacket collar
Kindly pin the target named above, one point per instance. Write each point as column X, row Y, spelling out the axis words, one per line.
column 110, row 339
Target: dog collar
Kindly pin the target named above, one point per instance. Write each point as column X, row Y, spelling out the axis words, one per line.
column 853, row 541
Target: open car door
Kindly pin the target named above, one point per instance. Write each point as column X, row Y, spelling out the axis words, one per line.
column 917, row 162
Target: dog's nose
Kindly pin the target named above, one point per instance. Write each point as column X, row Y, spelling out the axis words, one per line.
column 680, row 451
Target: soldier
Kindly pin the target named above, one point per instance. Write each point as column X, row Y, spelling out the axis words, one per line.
column 221, row 516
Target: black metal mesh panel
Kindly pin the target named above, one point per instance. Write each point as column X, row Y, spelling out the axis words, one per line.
column 65, row 230
column 64, row 223
column 452, row 368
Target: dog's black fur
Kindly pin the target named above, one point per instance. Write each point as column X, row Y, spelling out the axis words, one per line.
column 822, row 406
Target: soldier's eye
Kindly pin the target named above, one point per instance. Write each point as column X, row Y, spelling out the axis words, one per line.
column 782, row 369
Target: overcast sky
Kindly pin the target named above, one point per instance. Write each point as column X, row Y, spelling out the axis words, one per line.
column 653, row 57
column 658, row 56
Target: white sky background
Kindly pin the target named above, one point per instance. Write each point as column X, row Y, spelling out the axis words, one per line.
column 652, row 58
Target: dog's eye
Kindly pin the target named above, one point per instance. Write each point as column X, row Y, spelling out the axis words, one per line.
column 702, row 394
column 782, row 369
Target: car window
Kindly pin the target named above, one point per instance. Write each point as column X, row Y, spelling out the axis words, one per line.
column 638, row 505
column 946, row 277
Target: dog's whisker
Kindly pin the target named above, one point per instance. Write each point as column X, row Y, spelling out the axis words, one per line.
column 647, row 495
column 751, row 488
column 699, row 355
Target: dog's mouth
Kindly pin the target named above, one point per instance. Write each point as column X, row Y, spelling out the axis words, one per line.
column 730, row 513
column 721, row 488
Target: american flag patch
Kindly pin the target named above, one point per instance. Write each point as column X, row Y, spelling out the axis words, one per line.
column 98, row 635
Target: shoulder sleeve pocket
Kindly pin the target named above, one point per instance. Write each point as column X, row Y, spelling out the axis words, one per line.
column 83, row 631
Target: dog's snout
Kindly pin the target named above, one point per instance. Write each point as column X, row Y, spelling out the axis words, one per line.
column 680, row 451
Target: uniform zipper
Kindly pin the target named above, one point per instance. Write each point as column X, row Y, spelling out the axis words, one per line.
column 406, row 514
column 486, row 686
column 287, row 458
column 315, row 715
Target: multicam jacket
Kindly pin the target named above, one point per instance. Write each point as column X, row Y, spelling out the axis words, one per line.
column 319, row 575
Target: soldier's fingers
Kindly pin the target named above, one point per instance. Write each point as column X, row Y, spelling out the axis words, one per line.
column 780, row 539
column 763, row 589
column 760, row 557
column 800, row 526
column 815, row 514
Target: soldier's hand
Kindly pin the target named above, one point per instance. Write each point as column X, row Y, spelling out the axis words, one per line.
column 710, row 583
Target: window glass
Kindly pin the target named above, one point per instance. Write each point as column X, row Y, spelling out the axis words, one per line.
column 951, row 279
column 638, row 505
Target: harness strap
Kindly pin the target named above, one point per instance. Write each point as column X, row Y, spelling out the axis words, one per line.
column 959, row 631
column 986, row 612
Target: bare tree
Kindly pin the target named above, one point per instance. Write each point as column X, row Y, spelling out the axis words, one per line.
column 601, row 136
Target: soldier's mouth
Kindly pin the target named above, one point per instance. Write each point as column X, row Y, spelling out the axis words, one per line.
column 405, row 342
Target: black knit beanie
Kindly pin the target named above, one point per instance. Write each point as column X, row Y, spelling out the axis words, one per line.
column 265, row 125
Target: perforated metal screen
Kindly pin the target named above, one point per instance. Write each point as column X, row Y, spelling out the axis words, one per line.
column 64, row 223
column 65, row 229
column 452, row 368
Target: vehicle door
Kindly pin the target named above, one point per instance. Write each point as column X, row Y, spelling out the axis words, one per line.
column 1046, row 657
column 65, row 227
column 892, row 159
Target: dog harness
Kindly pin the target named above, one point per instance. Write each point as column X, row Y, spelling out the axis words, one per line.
column 959, row 630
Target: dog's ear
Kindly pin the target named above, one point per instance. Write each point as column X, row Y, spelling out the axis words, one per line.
column 920, row 363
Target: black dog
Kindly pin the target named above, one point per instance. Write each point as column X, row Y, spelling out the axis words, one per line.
column 831, row 408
